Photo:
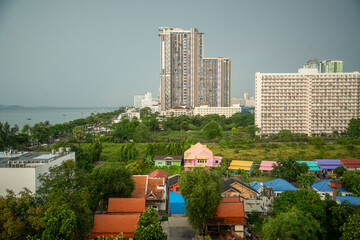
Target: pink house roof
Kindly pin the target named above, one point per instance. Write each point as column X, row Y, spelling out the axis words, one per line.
column 267, row 165
column 198, row 149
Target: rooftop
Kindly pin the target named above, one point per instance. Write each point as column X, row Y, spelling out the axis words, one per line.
column 313, row 166
column 140, row 186
column 350, row 162
column 113, row 225
column 155, row 189
column 267, row 165
column 168, row 157
column 158, row 173
column 352, row 200
column 323, row 186
column 329, row 164
column 126, row 205
column 280, row 185
column 237, row 164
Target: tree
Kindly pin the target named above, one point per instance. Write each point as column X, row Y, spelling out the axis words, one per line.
column 289, row 168
column 351, row 229
column 353, row 129
column 59, row 222
column 141, row 133
column 15, row 219
column 304, row 200
column 112, row 180
column 306, row 180
column 351, row 181
column 70, row 186
column 149, row 228
column 294, row 224
column 95, row 151
column 201, row 192
column 212, row 130
column 251, row 130
column 145, row 112
column 79, row 134
column 340, row 171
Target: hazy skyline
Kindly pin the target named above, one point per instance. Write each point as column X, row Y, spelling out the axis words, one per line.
column 101, row 53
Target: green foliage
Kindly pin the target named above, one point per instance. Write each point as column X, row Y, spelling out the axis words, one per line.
column 141, row 133
column 79, row 133
column 351, row 181
column 318, row 142
column 289, row 168
column 244, row 175
column 165, row 148
column 294, row 224
column 201, row 192
column 59, row 222
column 212, row 130
column 149, row 228
column 145, row 112
column 95, row 151
column 68, row 185
column 40, row 132
column 11, row 137
column 15, row 218
column 351, row 229
column 135, row 167
column 353, row 129
column 119, row 237
column 112, row 179
column 128, row 152
column 251, row 130
column 340, row 171
column 304, row 200
column 306, row 180
column 207, row 237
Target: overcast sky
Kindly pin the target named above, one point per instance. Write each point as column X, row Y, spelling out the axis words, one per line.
column 101, row 53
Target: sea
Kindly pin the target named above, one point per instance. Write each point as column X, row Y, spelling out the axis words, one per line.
column 33, row 115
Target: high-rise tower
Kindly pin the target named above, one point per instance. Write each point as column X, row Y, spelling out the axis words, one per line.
column 181, row 66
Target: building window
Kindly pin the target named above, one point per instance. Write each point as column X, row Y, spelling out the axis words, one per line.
column 168, row 163
column 160, row 163
column 201, row 161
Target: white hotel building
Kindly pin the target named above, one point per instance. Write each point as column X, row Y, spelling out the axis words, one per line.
column 306, row 102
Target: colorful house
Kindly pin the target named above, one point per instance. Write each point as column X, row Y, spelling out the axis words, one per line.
column 313, row 166
column 267, row 166
column 236, row 187
column 173, row 183
column 177, row 203
column 237, row 165
column 200, row 156
column 351, row 164
column 322, row 188
column 328, row 164
column 229, row 220
column 280, row 185
column 167, row 160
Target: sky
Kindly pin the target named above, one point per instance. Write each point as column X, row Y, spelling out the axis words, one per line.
column 86, row 53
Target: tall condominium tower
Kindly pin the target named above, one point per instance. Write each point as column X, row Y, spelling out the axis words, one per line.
column 331, row 66
column 184, row 80
column 214, row 86
column 306, row 102
column 181, row 66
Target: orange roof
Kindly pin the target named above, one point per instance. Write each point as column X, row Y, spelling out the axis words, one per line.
column 126, row 205
column 230, row 209
column 231, row 200
column 140, row 186
column 113, row 225
column 158, row 173
column 153, row 193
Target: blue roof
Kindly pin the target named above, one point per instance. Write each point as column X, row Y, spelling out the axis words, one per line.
column 323, row 186
column 280, row 185
column 352, row 200
column 256, row 185
column 177, row 203
column 313, row 166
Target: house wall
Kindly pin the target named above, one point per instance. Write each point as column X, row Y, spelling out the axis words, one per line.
column 245, row 192
column 162, row 163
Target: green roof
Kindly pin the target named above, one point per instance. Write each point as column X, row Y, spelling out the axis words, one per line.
column 313, row 166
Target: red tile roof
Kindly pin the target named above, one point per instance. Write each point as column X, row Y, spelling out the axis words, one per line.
column 153, row 193
column 126, row 205
column 140, row 186
column 350, row 162
column 168, row 157
column 231, row 200
column 158, row 173
column 113, row 225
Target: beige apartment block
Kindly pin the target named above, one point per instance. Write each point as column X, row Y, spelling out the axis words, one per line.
column 306, row 102
column 214, row 86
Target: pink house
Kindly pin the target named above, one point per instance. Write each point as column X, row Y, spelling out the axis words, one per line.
column 267, row 165
column 200, row 156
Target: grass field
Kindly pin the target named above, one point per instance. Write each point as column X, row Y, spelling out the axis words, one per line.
column 258, row 153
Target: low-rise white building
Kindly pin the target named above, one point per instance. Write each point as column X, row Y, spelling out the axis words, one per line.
column 22, row 169
column 226, row 111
